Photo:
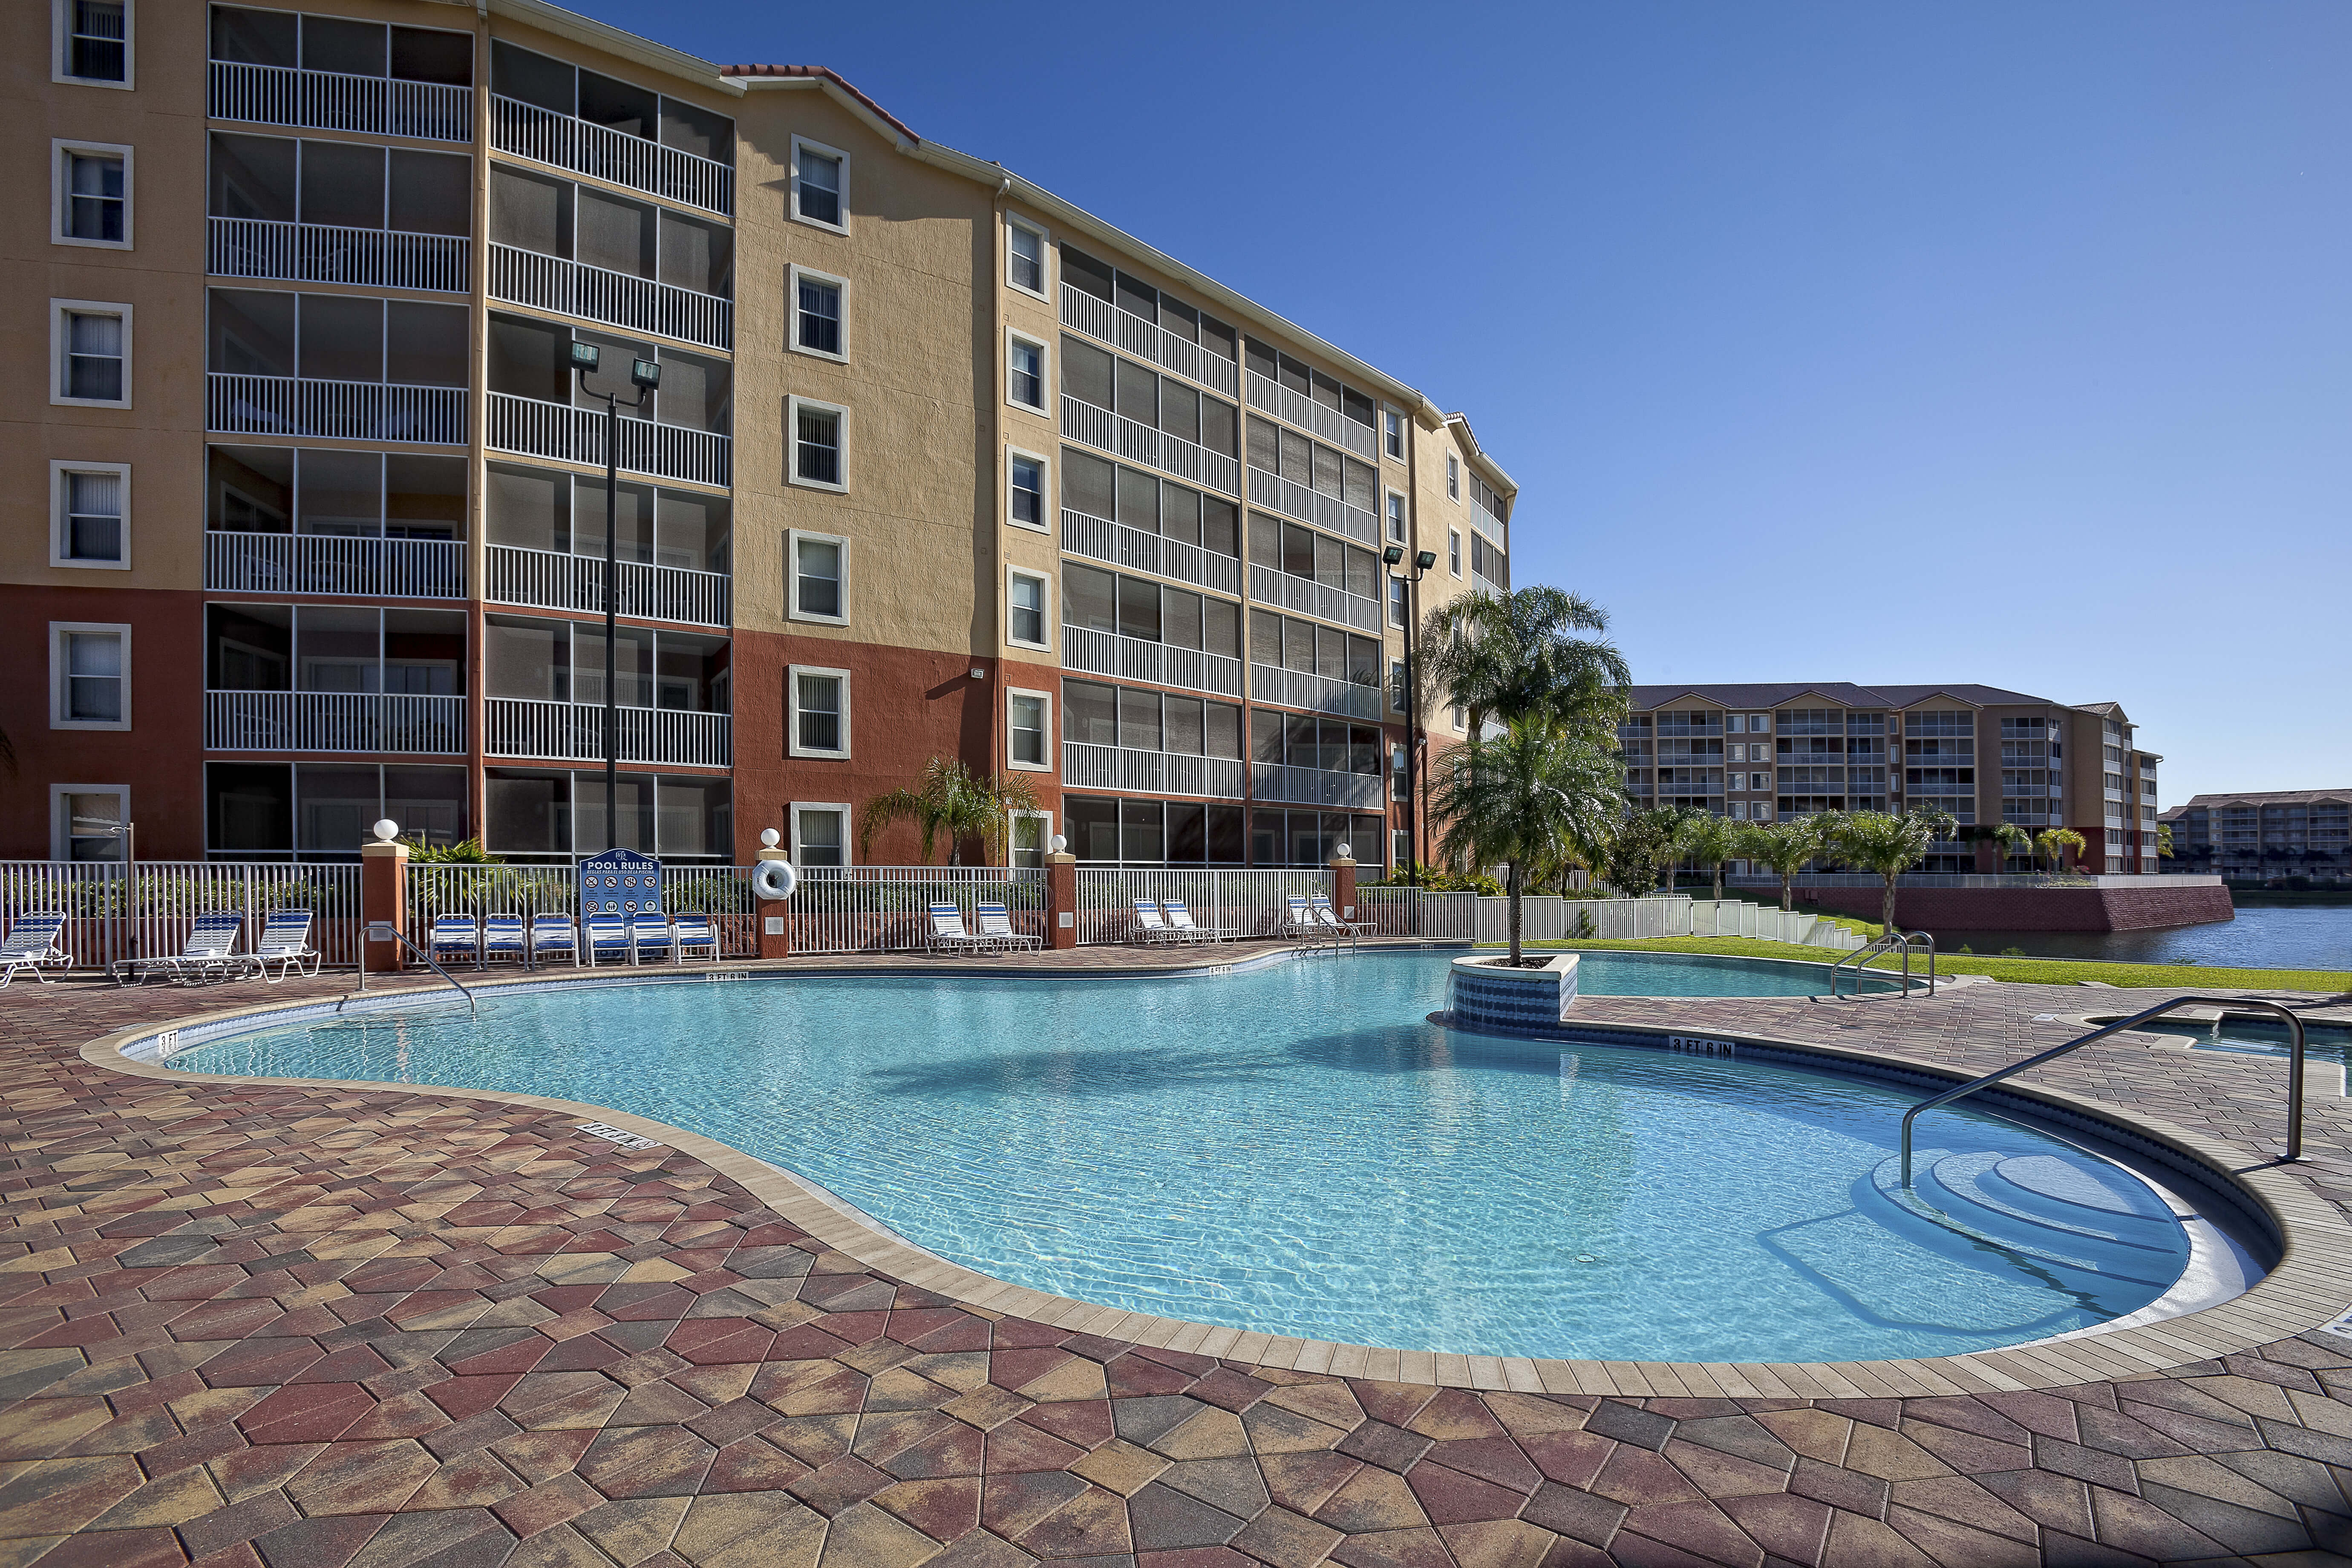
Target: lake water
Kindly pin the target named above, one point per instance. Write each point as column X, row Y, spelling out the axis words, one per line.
column 2300, row 936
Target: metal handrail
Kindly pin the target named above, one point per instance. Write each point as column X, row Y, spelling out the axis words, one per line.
column 1893, row 939
column 385, row 931
column 2294, row 1067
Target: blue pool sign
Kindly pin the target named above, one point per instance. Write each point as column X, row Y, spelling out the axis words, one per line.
column 620, row 882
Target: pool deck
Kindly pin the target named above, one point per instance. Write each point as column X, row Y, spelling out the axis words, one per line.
column 360, row 1326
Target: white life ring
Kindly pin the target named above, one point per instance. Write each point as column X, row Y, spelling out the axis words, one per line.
column 775, row 880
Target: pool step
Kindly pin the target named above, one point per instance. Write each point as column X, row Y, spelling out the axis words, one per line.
column 2077, row 1215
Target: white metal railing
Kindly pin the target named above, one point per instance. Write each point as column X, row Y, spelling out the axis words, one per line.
column 1480, row 584
column 339, row 410
column 600, row 294
column 1082, row 421
column 1488, row 524
column 1309, row 597
column 1133, row 658
column 322, row 253
column 1251, row 902
column 330, row 100
column 1103, row 540
column 1297, row 408
column 1315, row 787
column 540, row 429
column 552, row 580
column 1101, row 319
column 1086, row 766
column 722, row 892
column 147, row 909
column 886, row 909
column 359, row 722
column 335, row 564
column 1418, row 911
column 574, row 731
column 1321, row 508
column 1297, row 688
column 598, row 150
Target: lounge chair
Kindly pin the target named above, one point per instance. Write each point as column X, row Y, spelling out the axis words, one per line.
column 696, row 930
column 948, row 934
column 33, row 943
column 210, row 953
column 1326, row 915
column 609, row 934
column 285, row 942
column 455, row 936
column 551, row 934
column 649, row 932
column 1180, row 920
column 503, row 937
column 1301, row 921
column 996, row 925
column 1150, row 928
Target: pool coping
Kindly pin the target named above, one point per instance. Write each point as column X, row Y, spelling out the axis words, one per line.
column 2304, row 1290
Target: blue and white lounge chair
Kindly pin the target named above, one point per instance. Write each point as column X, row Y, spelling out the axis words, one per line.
column 456, row 936
column 209, row 954
column 948, row 934
column 694, row 931
column 1179, row 916
column 649, row 932
column 996, row 926
column 552, row 935
column 285, row 942
column 33, row 943
column 1149, row 927
column 1325, row 915
column 503, row 937
column 608, row 937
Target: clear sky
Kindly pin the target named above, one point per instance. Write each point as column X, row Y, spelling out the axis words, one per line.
column 1876, row 341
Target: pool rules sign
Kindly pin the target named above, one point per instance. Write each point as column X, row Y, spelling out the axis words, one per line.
column 620, row 882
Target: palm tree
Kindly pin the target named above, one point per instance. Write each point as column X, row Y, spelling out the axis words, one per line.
column 1710, row 840
column 950, row 798
column 1526, row 797
column 1519, row 655
column 1890, row 845
column 2057, row 843
column 2012, row 840
column 1785, row 846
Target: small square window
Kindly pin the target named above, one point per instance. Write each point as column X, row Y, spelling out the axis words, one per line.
column 820, row 585
column 819, row 700
column 91, row 676
column 1024, row 258
column 1029, row 731
column 1454, row 551
column 1025, row 373
column 818, row 460
column 1027, row 478
column 93, row 194
column 93, row 42
column 820, row 835
column 1031, row 832
column 92, row 344
column 1453, row 477
column 1393, row 432
column 90, row 507
column 820, row 184
column 1396, row 518
column 1025, row 595
column 88, row 822
column 819, row 316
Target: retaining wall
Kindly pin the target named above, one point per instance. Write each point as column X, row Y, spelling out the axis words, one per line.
column 2035, row 909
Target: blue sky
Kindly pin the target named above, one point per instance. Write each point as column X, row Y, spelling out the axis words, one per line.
column 1885, row 342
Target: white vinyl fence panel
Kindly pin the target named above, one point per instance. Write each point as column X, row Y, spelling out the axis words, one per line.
column 1418, row 911
column 886, row 909
column 1250, row 902
column 147, row 910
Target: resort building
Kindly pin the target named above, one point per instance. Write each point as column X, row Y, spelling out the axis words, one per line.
column 1758, row 752
column 2264, row 836
column 337, row 308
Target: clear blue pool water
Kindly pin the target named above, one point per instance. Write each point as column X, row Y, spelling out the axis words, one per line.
column 1293, row 1149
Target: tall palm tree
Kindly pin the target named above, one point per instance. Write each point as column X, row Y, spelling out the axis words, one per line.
column 2057, row 843
column 950, row 798
column 1710, row 840
column 1888, row 845
column 1525, row 797
column 2012, row 840
column 1533, row 653
column 1785, row 846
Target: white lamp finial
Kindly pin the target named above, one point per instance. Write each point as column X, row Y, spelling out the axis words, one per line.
column 386, row 830
column 767, row 837
column 1056, row 845
column 1346, row 852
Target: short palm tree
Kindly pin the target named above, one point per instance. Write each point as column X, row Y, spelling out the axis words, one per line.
column 2012, row 840
column 950, row 798
column 2057, row 844
column 1784, row 845
column 1890, row 845
column 1527, row 797
column 1708, row 841
column 1523, row 655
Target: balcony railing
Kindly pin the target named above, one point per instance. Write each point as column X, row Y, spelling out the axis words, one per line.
column 1297, row 408
column 1102, row 539
column 551, row 579
column 574, row 732
column 1081, row 311
column 586, row 148
column 329, row 100
column 1148, row 773
column 319, row 253
column 1133, row 658
column 1321, row 508
column 1315, row 787
column 1481, row 585
column 569, row 435
column 599, row 294
column 1308, row 597
column 1322, row 693
column 341, row 410
column 1139, row 442
column 335, row 564
column 361, row 722
column 1488, row 524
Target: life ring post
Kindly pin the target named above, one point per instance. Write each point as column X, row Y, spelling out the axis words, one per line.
column 774, row 878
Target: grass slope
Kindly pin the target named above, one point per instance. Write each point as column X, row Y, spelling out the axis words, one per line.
column 2036, row 971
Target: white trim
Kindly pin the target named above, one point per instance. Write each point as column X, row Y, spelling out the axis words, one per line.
column 59, row 469
column 61, row 193
column 1045, row 714
column 792, row 206
column 793, row 276
column 792, row 611
column 792, row 407
column 60, row 846
column 1044, row 607
column 1045, row 372
column 1454, row 552
column 849, row 830
column 1045, row 491
column 1396, row 521
column 1044, row 257
column 60, row 29
column 1453, row 477
column 1404, row 424
column 793, row 747
column 1044, row 838
column 59, row 310
column 57, row 632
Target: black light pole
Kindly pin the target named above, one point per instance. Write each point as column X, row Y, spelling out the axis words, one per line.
column 1395, row 555
column 644, row 374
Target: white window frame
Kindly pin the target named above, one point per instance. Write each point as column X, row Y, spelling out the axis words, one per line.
column 1453, row 477
column 1388, row 412
column 1044, row 607
column 1045, row 711
column 61, row 191
column 58, row 470
column 1044, row 371
column 792, row 611
column 58, row 631
column 848, row 831
column 1045, row 259
column 792, row 407
column 1398, row 518
column 60, row 51
column 59, row 310
column 793, row 747
column 794, row 207
column 1454, row 552
column 793, row 274
column 60, row 837
column 1044, row 523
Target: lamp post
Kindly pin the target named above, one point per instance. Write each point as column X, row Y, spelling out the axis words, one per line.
column 1392, row 556
column 644, row 374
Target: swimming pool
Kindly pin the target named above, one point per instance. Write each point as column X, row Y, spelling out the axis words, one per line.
column 1294, row 1149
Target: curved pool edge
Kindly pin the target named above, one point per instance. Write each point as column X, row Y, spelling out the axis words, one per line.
column 2304, row 1291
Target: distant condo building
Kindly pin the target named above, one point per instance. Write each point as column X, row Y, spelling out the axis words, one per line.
column 1758, row 754
column 2257, row 837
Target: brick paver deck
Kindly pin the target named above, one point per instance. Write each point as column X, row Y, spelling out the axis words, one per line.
column 327, row 1327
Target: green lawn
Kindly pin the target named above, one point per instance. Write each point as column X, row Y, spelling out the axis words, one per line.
column 2038, row 971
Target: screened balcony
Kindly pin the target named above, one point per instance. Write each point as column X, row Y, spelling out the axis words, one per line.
column 1302, row 408
column 1322, row 693
column 1100, row 539
column 1307, row 503
column 339, row 212
column 280, row 362
column 376, row 525
column 555, row 113
column 313, row 678
column 677, row 432
column 574, row 731
column 337, row 73
column 545, row 680
column 571, row 249
column 1133, row 658
column 1275, row 782
column 1086, row 766
column 1139, row 442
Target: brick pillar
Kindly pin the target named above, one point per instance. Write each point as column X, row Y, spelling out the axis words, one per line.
column 384, row 896
column 1343, row 886
column 1061, row 899
column 775, row 916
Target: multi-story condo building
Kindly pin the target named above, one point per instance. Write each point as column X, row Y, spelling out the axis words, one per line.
column 335, row 308
column 2264, row 836
column 1985, row 755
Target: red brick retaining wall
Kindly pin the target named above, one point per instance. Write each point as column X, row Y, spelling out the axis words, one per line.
column 2035, row 909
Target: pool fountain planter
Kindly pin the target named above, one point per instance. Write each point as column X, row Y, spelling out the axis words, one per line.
column 1487, row 993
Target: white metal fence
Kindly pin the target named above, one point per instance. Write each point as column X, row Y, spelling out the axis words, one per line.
column 344, row 410
column 335, row 564
column 600, row 294
column 324, row 253
column 886, row 909
column 587, row 148
column 332, row 101
column 555, row 581
column 1550, row 919
column 1418, row 911
column 147, row 909
column 722, row 892
column 574, row 731
column 542, row 429
column 356, row 722
column 1249, row 902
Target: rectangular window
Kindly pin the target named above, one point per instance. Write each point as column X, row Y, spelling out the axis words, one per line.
column 1396, row 518
column 93, row 347
column 1028, row 723
column 1028, row 497
column 1453, row 550
column 1031, row 831
column 1396, row 601
column 820, row 184
column 817, row 315
column 1392, row 425
column 1453, row 477
column 1025, row 373
column 88, row 821
column 1396, row 685
column 817, row 457
column 820, row 577
column 89, row 675
column 90, row 504
column 820, row 835
column 1024, row 258
column 93, row 194
column 820, row 712
column 93, row 42
column 1025, row 595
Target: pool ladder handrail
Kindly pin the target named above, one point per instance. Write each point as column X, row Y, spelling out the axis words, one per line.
column 1893, row 939
column 2295, row 1066
column 472, row 1006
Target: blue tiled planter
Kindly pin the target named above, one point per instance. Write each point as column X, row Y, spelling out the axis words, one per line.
column 1486, row 996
